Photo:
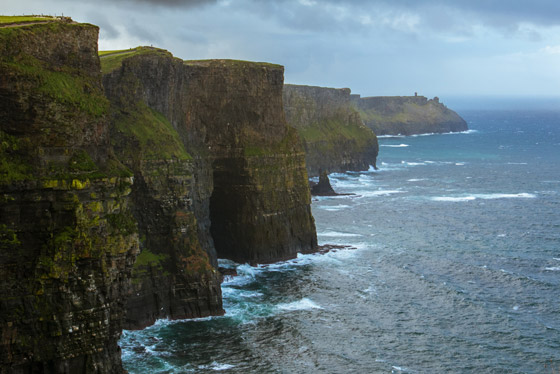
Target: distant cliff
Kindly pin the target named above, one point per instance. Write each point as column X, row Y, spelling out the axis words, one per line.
column 67, row 236
column 334, row 136
column 407, row 115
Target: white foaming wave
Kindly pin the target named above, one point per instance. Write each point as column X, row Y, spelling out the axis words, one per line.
column 413, row 163
column 395, row 145
column 337, row 234
column 216, row 366
column 522, row 195
column 460, row 163
column 517, row 163
column 416, row 179
column 553, row 268
column 556, row 258
column 303, row 304
column 334, row 208
column 377, row 193
column 453, row 199
column 390, row 136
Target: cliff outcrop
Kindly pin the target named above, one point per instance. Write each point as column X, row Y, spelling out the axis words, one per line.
column 119, row 195
column 228, row 115
column 407, row 115
column 334, row 136
column 67, row 236
column 174, row 276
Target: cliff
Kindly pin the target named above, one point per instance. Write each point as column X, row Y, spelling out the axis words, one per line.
column 67, row 236
column 228, row 115
column 334, row 136
column 174, row 276
column 183, row 160
column 407, row 115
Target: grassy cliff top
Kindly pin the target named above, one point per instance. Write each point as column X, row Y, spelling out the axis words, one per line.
column 111, row 60
column 227, row 63
column 7, row 21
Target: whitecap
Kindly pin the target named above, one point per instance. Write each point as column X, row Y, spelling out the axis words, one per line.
column 523, row 195
column 415, row 163
column 460, row 163
column 394, row 145
column 494, row 196
column 416, row 179
column 556, row 258
column 333, row 208
column 553, row 268
column 453, row 199
column 216, row 366
column 377, row 193
column 337, row 234
column 303, row 304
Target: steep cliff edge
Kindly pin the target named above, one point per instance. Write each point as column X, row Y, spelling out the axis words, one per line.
column 334, row 136
column 407, row 115
column 229, row 116
column 174, row 276
column 67, row 237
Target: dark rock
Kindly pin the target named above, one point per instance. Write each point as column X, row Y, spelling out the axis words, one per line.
column 229, row 116
column 67, row 236
column 323, row 188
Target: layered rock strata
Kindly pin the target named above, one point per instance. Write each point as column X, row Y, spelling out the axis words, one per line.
column 174, row 276
column 67, row 236
column 334, row 136
column 407, row 115
column 250, row 174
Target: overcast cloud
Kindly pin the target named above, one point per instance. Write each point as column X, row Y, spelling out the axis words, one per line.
column 382, row 47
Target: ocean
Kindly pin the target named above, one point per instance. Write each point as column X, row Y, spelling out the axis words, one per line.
column 454, row 267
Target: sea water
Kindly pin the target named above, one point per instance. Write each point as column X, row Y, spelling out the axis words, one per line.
column 455, row 268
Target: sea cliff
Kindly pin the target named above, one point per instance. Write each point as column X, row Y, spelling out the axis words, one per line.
column 118, row 192
column 407, row 115
column 229, row 116
column 67, row 236
column 333, row 134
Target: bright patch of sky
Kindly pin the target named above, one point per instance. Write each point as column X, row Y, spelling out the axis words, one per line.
column 379, row 47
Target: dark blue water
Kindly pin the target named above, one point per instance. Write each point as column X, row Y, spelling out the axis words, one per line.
column 456, row 269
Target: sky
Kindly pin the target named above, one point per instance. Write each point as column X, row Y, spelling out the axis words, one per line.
column 444, row 48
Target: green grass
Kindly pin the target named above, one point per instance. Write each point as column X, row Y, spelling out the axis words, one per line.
column 332, row 130
column 24, row 19
column 111, row 60
column 13, row 163
column 65, row 85
column 231, row 63
column 147, row 133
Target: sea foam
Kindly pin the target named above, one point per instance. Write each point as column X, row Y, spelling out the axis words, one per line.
column 522, row 195
column 303, row 304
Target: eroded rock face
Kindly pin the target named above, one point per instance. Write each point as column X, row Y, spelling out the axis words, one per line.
column 174, row 275
column 333, row 134
column 67, row 236
column 244, row 178
column 407, row 115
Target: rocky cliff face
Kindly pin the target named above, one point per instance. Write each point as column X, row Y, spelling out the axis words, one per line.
column 229, row 116
column 174, row 275
column 407, row 115
column 334, row 136
column 67, row 236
